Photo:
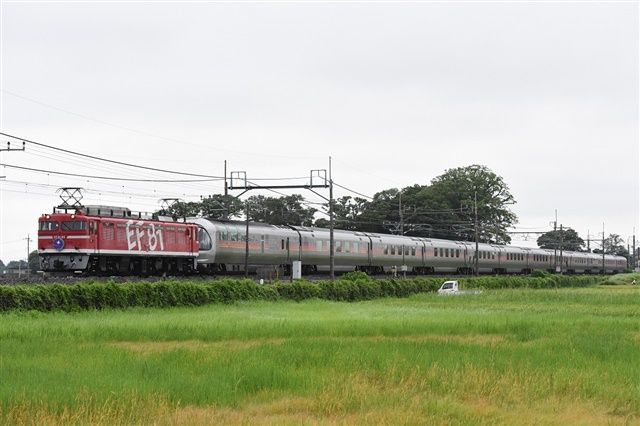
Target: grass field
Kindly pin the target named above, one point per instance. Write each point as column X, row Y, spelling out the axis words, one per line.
column 504, row 356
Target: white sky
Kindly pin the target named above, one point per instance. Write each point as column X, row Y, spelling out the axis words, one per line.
column 546, row 95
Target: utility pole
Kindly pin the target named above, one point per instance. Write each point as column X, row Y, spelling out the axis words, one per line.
column 332, row 260
column 28, row 251
column 226, row 193
column 226, row 188
column 635, row 261
column 555, row 246
column 475, row 225
column 561, row 259
column 588, row 240
column 603, row 265
column 246, row 245
column 400, row 212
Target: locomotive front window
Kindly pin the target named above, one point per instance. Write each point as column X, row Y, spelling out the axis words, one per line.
column 74, row 225
column 49, row 226
column 204, row 239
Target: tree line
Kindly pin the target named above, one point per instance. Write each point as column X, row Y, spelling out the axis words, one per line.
column 444, row 208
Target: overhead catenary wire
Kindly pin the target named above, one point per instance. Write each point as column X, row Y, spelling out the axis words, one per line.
column 107, row 177
column 352, row 191
column 155, row 195
column 106, row 159
column 110, row 169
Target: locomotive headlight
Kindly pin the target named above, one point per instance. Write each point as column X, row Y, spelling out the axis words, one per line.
column 48, row 216
column 73, row 216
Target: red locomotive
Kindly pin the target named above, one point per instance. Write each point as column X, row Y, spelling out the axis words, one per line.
column 114, row 241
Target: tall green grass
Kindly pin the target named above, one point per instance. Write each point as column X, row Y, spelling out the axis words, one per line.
column 503, row 356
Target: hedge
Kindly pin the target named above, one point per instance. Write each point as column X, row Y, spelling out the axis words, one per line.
column 104, row 295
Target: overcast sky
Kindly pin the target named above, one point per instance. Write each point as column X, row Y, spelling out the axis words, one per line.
column 546, row 95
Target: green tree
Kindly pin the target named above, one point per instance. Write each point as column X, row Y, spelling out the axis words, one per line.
column 1, row 266
column 570, row 240
column 34, row 261
column 613, row 244
column 287, row 210
column 379, row 214
column 443, row 209
column 182, row 209
column 451, row 198
column 214, row 206
column 17, row 264
column 219, row 206
column 347, row 211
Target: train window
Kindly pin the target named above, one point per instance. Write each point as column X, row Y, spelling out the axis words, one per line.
column 435, row 252
column 74, row 225
column 204, row 239
column 282, row 244
column 355, row 248
column 457, row 252
column 413, row 251
column 49, row 226
column 386, row 249
column 318, row 245
column 406, row 251
column 347, row 248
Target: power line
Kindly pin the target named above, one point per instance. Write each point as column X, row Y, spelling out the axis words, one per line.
column 108, row 177
column 106, row 159
column 351, row 190
column 155, row 195
column 107, row 168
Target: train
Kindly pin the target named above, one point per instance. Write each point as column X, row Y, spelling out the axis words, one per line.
column 104, row 240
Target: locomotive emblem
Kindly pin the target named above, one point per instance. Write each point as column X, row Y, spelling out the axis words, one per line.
column 58, row 243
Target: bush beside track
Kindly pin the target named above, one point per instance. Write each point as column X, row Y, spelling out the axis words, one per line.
column 350, row 288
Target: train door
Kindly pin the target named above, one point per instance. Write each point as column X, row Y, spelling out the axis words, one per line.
column 465, row 256
column 93, row 235
column 370, row 251
column 288, row 251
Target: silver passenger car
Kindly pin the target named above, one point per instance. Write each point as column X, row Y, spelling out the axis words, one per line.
column 223, row 246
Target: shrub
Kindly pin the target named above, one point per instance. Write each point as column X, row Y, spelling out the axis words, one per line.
column 355, row 276
column 350, row 288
